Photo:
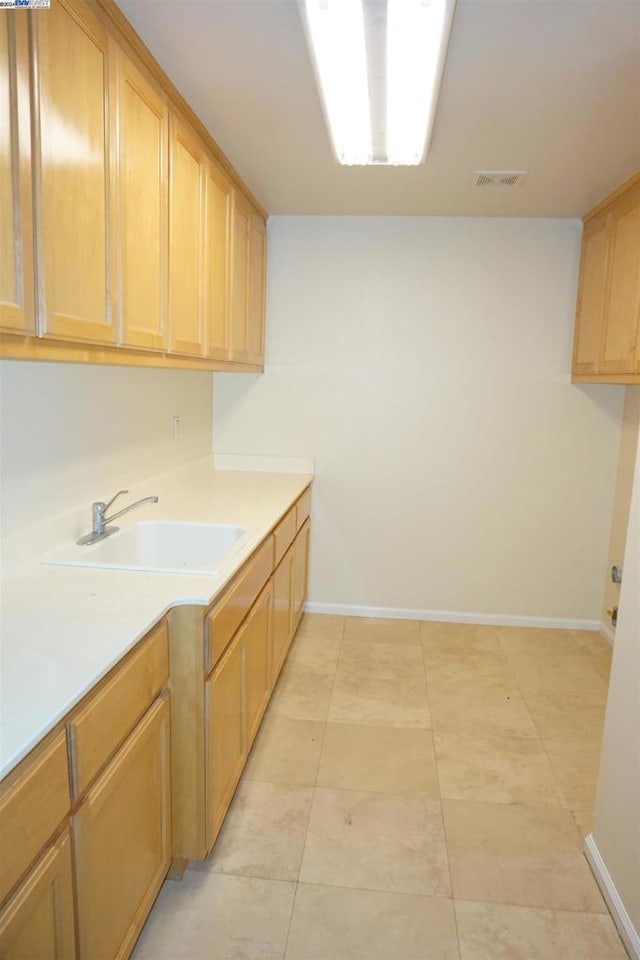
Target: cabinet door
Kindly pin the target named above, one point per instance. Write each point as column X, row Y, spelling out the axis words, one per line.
column 38, row 921
column 300, row 573
column 186, row 241
column 75, row 175
column 240, row 278
column 256, row 636
column 594, row 266
column 257, row 280
column 225, row 734
column 620, row 333
column 217, row 266
column 122, row 845
column 143, row 171
column 282, row 612
column 17, row 311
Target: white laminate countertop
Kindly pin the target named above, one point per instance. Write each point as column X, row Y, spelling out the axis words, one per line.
column 63, row 628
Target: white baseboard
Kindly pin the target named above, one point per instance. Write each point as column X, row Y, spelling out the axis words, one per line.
column 608, row 632
column 621, row 918
column 452, row 616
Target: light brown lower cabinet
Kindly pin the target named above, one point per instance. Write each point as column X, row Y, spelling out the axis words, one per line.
column 300, row 574
column 225, row 662
column 38, row 922
column 225, row 735
column 282, row 611
column 256, row 638
column 111, row 831
column 122, row 842
column 236, row 697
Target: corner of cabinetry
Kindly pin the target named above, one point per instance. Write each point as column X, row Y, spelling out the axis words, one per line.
column 186, row 659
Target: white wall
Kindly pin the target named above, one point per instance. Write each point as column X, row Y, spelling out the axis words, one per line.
column 616, row 830
column 71, row 434
column 425, row 364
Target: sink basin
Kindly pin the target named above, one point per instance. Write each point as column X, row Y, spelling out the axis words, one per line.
column 158, row 547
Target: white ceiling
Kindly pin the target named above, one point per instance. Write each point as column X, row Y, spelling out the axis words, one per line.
column 549, row 86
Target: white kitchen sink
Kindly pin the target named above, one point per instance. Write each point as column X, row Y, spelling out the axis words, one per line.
column 163, row 546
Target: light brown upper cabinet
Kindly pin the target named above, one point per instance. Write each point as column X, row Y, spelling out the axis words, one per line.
column 74, row 158
column 126, row 236
column 257, row 281
column 187, row 209
column 591, row 295
column 143, row 175
column 240, row 277
column 17, row 310
column 249, row 249
column 620, row 336
column 607, row 341
column 217, row 263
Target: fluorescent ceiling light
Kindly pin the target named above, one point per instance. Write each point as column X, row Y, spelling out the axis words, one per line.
column 417, row 37
column 336, row 28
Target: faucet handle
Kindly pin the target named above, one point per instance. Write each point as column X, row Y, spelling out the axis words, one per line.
column 106, row 506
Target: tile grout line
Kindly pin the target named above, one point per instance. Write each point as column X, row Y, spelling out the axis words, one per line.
column 436, row 764
column 545, row 751
column 313, row 793
column 542, row 739
column 313, row 790
column 575, row 651
column 293, row 907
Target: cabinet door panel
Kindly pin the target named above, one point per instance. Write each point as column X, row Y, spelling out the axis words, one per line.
column 257, row 280
column 74, row 183
column 623, row 313
column 38, row 922
column 219, row 208
column 17, row 310
column 32, row 807
column 226, row 735
column 282, row 613
column 122, row 840
column 256, row 636
column 143, row 169
column 300, row 573
column 240, row 279
column 596, row 244
column 186, row 241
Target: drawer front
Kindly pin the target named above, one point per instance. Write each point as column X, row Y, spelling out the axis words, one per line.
column 284, row 535
column 98, row 729
column 230, row 611
column 31, row 809
column 303, row 508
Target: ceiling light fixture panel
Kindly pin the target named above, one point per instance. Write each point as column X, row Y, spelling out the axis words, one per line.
column 417, row 37
column 336, row 29
column 418, row 34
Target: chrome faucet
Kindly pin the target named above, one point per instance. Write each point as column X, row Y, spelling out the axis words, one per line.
column 99, row 509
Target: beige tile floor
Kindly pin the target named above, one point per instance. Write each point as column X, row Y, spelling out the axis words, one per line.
column 416, row 792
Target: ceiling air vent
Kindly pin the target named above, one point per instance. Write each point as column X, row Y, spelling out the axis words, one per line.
column 498, row 178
